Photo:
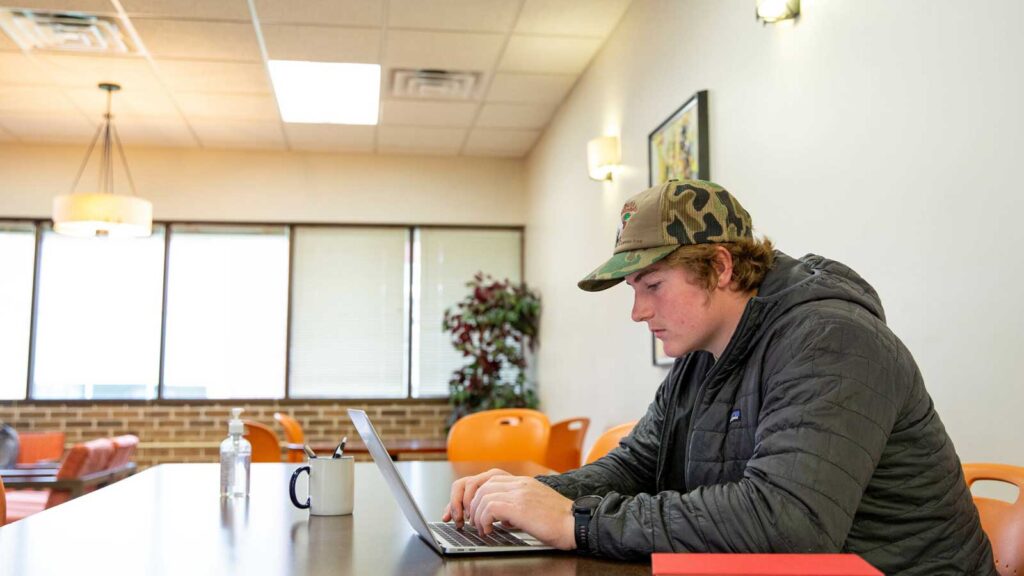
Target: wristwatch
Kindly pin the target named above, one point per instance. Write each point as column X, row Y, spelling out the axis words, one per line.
column 582, row 511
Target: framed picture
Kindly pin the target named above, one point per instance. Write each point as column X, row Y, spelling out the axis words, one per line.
column 678, row 150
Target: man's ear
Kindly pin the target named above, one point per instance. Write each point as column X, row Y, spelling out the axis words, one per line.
column 723, row 266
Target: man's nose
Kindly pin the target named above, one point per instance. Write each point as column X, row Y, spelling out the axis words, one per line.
column 641, row 311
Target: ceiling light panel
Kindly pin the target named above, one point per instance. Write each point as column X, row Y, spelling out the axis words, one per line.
column 326, row 92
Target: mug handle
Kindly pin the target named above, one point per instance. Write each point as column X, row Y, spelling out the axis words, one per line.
column 291, row 487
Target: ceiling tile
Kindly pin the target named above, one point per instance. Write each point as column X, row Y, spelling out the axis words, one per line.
column 34, row 99
column 93, row 102
column 411, row 139
column 133, row 74
column 197, row 9
column 413, row 113
column 548, row 54
column 490, row 142
column 330, row 137
column 228, row 106
column 209, row 40
column 595, row 18
column 16, row 68
column 50, row 128
column 548, row 88
column 442, row 50
column 92, row 6
column 322, row 43
column 235, row 77
column 136, row 131
column 515, row 115
column 238, row 134
column 474, row 15
column 336, row 12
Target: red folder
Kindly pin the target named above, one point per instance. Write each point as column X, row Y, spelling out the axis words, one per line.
column 761, row 565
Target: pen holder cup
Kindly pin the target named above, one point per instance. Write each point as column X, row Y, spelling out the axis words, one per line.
column 331, row 486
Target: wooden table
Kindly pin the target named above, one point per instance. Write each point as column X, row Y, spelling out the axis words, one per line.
column 170, row 520
column 395, row 447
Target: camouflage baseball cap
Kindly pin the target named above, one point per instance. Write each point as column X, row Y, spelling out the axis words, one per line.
column 660, row 219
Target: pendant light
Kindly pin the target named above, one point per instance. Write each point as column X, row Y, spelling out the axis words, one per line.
column 103, row 213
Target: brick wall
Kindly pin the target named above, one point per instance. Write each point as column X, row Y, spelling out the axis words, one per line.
column 192, row 432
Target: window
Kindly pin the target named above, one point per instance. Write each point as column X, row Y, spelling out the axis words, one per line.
column 227, row 312
column 238, row 311
column 445, row 260
column 98, row 318
column 350, row 313
column 17, row 264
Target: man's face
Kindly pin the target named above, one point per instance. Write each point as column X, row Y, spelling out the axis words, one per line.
column 683, row 315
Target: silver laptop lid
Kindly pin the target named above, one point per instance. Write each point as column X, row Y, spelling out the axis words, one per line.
column 391, row 476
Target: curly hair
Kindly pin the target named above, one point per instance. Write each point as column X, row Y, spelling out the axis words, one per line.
column 751, row 260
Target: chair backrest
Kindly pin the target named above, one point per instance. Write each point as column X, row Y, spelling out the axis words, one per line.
column 565, row 445
column 40, row 446
column 124, row 450
column 1003, row 522
column 265, row 446
column 609, row 440
column 293, row 437
column 511, row 434
column 81, row 460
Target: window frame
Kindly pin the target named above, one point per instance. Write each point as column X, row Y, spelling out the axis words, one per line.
column 39, row 224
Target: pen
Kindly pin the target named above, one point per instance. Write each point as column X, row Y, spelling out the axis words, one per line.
column 340, row 448
column 309, row 451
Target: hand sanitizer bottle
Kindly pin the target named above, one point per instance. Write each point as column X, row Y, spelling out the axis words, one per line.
column 235, row 456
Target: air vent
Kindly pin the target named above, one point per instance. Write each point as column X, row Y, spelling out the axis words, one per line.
column 434, row 84
column 65, row 31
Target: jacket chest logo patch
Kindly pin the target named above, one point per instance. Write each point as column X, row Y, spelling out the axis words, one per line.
column 734, row 416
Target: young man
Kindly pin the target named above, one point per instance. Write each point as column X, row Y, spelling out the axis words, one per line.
column 793, row 420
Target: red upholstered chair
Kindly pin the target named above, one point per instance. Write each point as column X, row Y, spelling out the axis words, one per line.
column 565, row 445
column 83, row 459
column 124, row 450
column 36, row 447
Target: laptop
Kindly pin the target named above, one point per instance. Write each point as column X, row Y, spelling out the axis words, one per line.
column 443, row 537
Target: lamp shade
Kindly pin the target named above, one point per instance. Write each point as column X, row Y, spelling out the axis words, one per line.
column 603, row 156
column 772, row 11
column 99, row 214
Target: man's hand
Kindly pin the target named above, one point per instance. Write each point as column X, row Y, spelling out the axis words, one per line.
column 525, row 504
column 463, row 491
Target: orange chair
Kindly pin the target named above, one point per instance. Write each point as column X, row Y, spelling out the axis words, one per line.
column 609, row 440
column 265, row 446
column 510, row 434
column 565, row 446
column 1003, row 522
column 36, row 447
column 293, row 437
column 82, row 460
column 124, row 449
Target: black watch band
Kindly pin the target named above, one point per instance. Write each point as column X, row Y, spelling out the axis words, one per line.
column 583, row 509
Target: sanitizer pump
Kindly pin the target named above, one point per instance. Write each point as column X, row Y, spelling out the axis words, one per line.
column 235, row 456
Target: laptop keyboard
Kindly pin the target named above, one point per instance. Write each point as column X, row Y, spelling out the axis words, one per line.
column 468, row 536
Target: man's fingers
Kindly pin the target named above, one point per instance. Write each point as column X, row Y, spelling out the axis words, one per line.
column 493, row 509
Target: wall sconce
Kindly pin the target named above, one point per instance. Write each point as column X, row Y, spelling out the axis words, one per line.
column 772, row 11
column 603, row 157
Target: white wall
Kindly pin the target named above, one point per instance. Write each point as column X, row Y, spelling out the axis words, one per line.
column 885, row 134
column 277, row 186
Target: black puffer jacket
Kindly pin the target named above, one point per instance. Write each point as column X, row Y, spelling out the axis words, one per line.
column 812, row 433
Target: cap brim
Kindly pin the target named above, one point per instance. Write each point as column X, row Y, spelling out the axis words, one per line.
column 621, row 265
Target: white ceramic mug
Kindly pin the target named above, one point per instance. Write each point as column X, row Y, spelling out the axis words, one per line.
column 331, row 486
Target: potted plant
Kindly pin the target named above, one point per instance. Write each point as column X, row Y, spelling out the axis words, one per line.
column 493, row 327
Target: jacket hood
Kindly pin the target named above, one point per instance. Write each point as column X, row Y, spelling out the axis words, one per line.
column 793, row 282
